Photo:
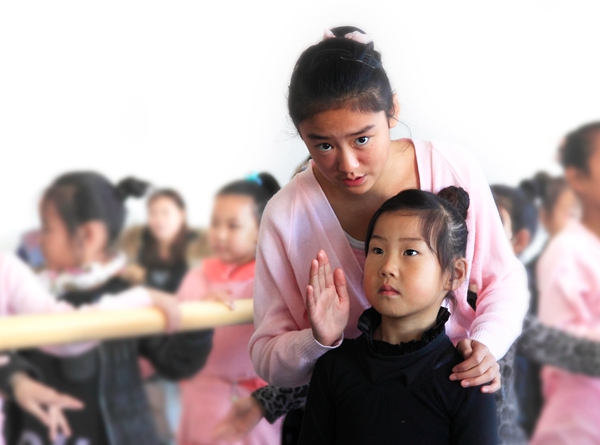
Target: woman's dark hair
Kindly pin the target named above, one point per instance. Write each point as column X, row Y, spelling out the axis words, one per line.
column 520, row 205
column 149, row 254
column 578, row 146
column 443, row 221
column 545, row 188
column 337, row 73
column 260, row 187
column 81, row 197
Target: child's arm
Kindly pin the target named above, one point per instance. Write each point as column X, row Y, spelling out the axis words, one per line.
column 319, row 420
column 178, row 356
column 474, row 420
column 551, row 346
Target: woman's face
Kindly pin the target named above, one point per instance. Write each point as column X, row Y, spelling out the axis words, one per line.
column 58, row 245
column 349, row 148
column 165, row 218
column 233, row 231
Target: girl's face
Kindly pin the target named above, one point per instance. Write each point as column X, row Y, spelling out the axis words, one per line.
column 58, row 246
column 165, row 218
column 349, row 148
column 402, row 277
column 233, row 231
column 565, row 208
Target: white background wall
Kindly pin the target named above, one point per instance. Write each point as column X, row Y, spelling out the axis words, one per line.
column 192, row 94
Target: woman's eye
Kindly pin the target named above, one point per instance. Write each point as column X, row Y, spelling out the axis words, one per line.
column 361, row 140
column 377, row 250
column 324, row 146
column 410, row 252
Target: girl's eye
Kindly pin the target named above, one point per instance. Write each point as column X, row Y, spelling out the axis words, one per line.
column 410, row 252
column 361, row 140
column 324, row 146
column 377, row 250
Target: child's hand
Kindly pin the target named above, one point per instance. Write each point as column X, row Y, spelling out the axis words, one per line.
column 327, row 301
column 44, row 403
column 222, row 297
column 480, row 366
column 169, row 306
column 243, row 416
column 134, row 273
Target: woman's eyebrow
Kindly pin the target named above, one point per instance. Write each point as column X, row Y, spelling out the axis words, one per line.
column 315, row 136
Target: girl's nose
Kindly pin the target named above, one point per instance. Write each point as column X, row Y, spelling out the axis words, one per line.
column 347, row 161
column 388, row 268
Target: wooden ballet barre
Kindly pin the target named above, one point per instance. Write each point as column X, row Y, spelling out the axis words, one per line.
column 25, row 331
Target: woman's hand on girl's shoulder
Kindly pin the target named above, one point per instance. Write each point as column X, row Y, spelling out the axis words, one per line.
column 169, row 306
column 327, row 301
column 480, row 366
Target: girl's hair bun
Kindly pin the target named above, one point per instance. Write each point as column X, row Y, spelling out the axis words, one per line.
column 269, row 183
column 458, row 197
column 131, row 187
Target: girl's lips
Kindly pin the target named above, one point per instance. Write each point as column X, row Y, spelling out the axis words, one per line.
column 354, row 182
column 387, row 290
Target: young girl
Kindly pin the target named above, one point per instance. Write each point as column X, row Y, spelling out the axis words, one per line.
column 82, row 216
column 228, row 276
column 569, row 295
column 342, row 104
column 390, row 385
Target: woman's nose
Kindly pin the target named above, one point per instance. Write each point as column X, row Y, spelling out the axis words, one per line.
column 347, row 161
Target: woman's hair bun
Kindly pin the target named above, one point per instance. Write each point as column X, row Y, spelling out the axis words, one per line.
column 131, row 187
column 458, row 197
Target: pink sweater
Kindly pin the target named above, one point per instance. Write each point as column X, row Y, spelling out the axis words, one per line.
column 299, row 221
column 569, row 298
column 207, row 397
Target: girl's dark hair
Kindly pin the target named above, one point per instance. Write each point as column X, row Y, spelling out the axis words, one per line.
column 443, row 221
column 149, row 254
column 337, row 73
column 260, row 187
column 520, row 205
column 545, row 188
column 578, row 146
column 81, row 197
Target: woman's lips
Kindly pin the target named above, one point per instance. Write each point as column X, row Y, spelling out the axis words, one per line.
column 354, row 182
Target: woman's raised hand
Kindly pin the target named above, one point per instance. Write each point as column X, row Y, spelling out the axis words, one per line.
column 327, row 301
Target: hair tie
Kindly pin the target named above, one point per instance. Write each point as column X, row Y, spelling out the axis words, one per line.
column 355, row 35
column 254, row 178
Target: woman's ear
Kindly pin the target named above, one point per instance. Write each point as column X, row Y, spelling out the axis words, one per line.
column 458, row 275
column 395, row 116
column 93, row 239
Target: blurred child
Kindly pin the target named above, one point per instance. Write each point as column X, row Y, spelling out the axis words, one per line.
column 227, row 276
column 159, row 256
column 390, row 385
column 82, row 216
column 569, row 297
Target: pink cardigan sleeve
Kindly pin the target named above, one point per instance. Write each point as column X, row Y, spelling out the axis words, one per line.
column 23, row 294
column 500, row 277
column 282, row 348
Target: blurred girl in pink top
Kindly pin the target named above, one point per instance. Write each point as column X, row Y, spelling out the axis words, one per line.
column 227, row 276
column 569, row 298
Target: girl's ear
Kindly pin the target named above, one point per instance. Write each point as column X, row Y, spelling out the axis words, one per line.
column 576, row 179
column 521, row 241
column 93, row 239
column 459, row 274
column 393, row 119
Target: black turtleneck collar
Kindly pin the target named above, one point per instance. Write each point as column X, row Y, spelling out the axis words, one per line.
column 370, row 320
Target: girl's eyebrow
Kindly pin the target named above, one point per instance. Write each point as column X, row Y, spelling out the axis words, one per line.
column 408, row 238
column 359, row 132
